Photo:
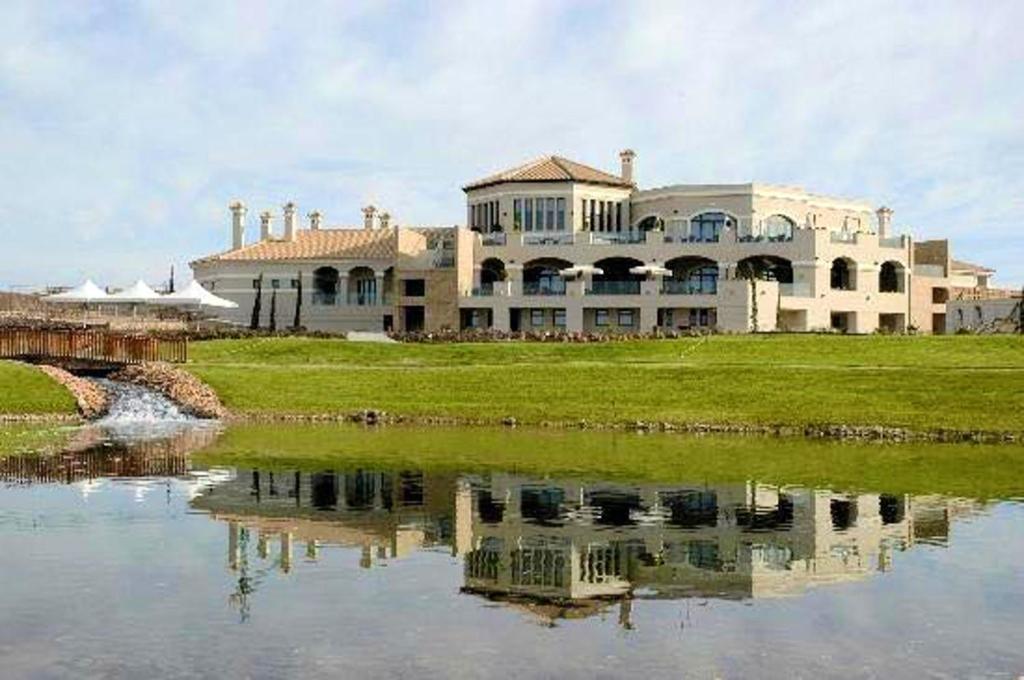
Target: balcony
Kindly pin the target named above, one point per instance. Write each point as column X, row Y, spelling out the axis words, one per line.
column 617, row 238
column 795, row 290
column 684, row 287
column 324, row 299
column 763, row 238
column 534, row 288
column 614, row 288
column 485, row 290
column 548, row 239
column 690, row 238
column 891, row 242
column 444, row 259
column 843, row 237
column 497, row 239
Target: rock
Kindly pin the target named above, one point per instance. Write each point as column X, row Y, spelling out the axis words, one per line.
column 190, row 393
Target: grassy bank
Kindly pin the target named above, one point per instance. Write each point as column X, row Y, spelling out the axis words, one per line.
column 975, row 471
column 24, row 390
column 921, row 383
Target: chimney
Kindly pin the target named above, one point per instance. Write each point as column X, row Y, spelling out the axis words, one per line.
column 884, row 221
column 368, row 213
column 237, row 224
column 627, row 157
column 315, row 220
column 384, row 218
column 290, row 221
column 266, row 217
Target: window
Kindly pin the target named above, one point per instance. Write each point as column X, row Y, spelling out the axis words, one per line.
column 703, row 280
column 414, row 287
column 600, row 317
column 699, row 317
column 536, row 317
column 550, row 222
column 529, row 214
column 275, row 283
column 255, row 283
column 706, row 227
column 618, row 217
column 295, row 283
column 593, row 209
column 778, row 228
column 560, row 214
column 584, row 215
column 625, row 317
column 559, row 317
column 517, row 214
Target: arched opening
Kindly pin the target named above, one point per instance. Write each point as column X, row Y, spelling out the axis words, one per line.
column 707, row 226
column 890, row 278
column 325, row 286
column 362, row 287
column 778, row 228
column 765, row 268
column 492, row 270
column 616, row 278
column 541, row 277
column 843, row 274
column 691, row 276
column 650, row 223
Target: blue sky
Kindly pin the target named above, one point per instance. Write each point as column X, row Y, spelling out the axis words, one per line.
column 127, row 128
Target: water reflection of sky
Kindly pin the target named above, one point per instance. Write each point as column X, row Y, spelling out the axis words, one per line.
column 170, row 575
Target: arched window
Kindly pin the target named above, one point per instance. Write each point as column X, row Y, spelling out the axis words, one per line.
column 691, row 276
column 707, row 226
column 651, row 223
column 779, row 228
column 765, row 268
column 325, row 286
column 362, row 287
column 890, row 278
column 541, row 277
column 842, row 274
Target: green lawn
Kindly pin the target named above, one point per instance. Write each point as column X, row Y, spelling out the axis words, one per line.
column 966, row 470
column 27, row 390
column 957, row 382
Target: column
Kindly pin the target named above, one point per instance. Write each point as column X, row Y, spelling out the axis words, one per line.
column 342, row 297
column 379, row 287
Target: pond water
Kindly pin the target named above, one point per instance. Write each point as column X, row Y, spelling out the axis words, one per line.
column 203, row 553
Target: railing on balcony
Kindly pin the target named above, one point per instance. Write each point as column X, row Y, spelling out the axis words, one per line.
column 843, row 237
column 686, row 287
column 497, row 239
column 891, row 242
column 444, row 259
column 614, row 288
column 533, row 288
column 764, row 238
column 690, row 238
column 547, row 239
column 795, row 290
column 363, row 299
column 485, row 290
column 616, row 238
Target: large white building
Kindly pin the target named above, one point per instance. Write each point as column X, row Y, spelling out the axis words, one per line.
column 557, row 245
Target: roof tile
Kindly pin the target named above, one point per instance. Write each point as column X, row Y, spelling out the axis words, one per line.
column 310, row 244
column 551, row 169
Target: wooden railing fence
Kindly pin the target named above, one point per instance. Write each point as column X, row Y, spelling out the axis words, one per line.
column 90, row 345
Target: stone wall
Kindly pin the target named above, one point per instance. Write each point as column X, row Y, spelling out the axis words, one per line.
column 190, row 393
column 92, row 400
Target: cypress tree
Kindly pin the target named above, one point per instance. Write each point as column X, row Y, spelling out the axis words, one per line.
column 273, row 310
column 257, row 304
column 297, row 323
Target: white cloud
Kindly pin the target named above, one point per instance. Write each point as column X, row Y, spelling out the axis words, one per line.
column 136, row 125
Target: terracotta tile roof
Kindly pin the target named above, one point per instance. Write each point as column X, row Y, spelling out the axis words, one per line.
column 551, row 169
column 309, row 244
column 960, row 265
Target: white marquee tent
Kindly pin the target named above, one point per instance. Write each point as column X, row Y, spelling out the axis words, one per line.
column 82, row 294
column 194, row 295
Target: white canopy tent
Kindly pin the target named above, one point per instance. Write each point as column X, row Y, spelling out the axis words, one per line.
column 194, row 295
column 82, row 294
column 139, row 293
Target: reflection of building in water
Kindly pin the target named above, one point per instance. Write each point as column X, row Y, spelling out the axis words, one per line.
column 387, row 515
column 567, row 548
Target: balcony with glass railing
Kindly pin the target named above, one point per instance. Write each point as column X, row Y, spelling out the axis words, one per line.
column 687, row 287
column 547, row 239
column 542, row 289
column 614, row 288
column 484, row 290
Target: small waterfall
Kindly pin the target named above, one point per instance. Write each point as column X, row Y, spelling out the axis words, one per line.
column 138, row 412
